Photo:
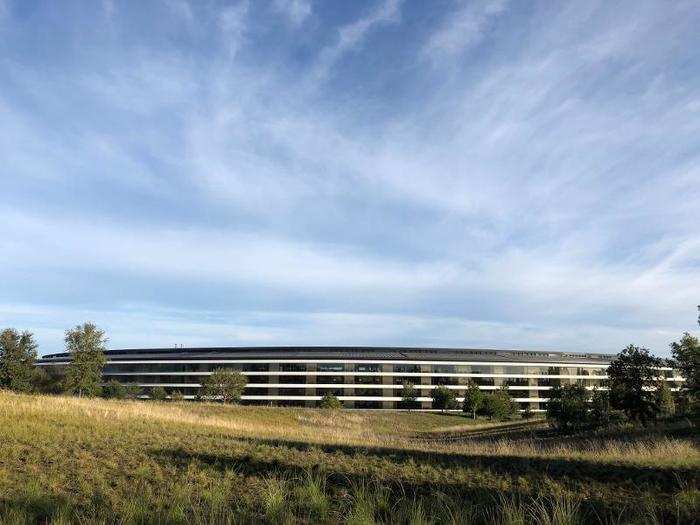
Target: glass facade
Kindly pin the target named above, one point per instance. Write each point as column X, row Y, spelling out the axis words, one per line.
column 364, row 383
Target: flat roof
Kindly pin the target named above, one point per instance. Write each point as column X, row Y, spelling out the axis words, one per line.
column 347, row 352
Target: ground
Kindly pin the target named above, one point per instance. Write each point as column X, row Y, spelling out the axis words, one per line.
column 65, row 460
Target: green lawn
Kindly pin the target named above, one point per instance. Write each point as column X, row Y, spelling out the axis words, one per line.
column 66, row 460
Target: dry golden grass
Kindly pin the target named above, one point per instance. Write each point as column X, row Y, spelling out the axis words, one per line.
column 137, row 461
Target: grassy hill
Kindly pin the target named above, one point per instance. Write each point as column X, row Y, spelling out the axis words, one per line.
column 65, row 460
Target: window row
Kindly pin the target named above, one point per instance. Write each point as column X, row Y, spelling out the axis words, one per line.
column 356, row 367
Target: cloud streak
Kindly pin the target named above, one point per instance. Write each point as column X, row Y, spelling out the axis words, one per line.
column 244, row 175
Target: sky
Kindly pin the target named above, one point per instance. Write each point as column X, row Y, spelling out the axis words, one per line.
column 487, row 174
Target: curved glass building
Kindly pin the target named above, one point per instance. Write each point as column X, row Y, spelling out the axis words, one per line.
column 361, row 377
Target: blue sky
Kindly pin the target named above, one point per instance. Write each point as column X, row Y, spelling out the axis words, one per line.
column 448, row 173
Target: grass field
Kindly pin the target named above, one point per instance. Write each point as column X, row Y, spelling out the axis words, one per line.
column 66, row 460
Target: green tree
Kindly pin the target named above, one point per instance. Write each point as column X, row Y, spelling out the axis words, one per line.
column 473, row 399
column 632, row 376
column 158, row 393
column 114, row 390
column 444, row 398
column 47, row 380
column 133, row 391
column 86, row 343
column 409, row 396
column 224, row 385
column 17, row 356
column 330, row 401
column 664, row 399
column 501, row 407
column 686, row 354
column 568, row 406
column 600, row 407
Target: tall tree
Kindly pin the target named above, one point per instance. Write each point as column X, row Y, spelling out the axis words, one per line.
column 17, row 356
column 409, row 396
column 686, row 354
column 632, row 378
column 86, row 344
column 224, row 385
column 567, row 407
column 473, row 399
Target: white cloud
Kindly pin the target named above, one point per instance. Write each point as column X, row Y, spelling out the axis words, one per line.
column 352, row 35
column 463, row 29
column 553, row 189
column 296, row 11
column 232, row 22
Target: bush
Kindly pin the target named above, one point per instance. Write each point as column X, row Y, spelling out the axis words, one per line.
column 409, row 396
column 600, row 413
column 567, row 408
column 114, row 390
column 224, row 385
column 330, row 401
column 499, row 405
column 177, row 396
column 444, row 398
column 133, row 391
column 158, row 393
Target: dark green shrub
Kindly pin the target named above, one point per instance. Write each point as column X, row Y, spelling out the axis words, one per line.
column 330, row 401
column 114, row 390
column 158, row 393
column 568, row 406
column 444, row 398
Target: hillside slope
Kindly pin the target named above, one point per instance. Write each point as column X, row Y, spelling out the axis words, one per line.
column 68, row 460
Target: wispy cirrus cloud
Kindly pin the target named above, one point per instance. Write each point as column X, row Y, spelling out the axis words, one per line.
column 352, row 35
column 296, row 11
column 223, row 182
column 464, row 28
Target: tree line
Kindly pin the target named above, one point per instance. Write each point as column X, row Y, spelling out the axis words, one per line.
column 635, row 389
column 83, row 377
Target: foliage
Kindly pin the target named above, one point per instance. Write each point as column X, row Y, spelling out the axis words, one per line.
column 133, row 391
column 177, row 396
column 224, row 385
column 409, row 396
column 600, row 413
column 473, row 399
column 330, row 401
column 499, row 405
column 528, row 412
column 47, row 380
column 444, row 398
column 686, row 354
column 158, row 393
column 632, row 376
column 17, row 356
column 86, row 343
column 567, row 407
column 114, row 390
column 664, row 399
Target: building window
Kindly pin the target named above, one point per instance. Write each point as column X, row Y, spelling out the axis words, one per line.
column 330, row 367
